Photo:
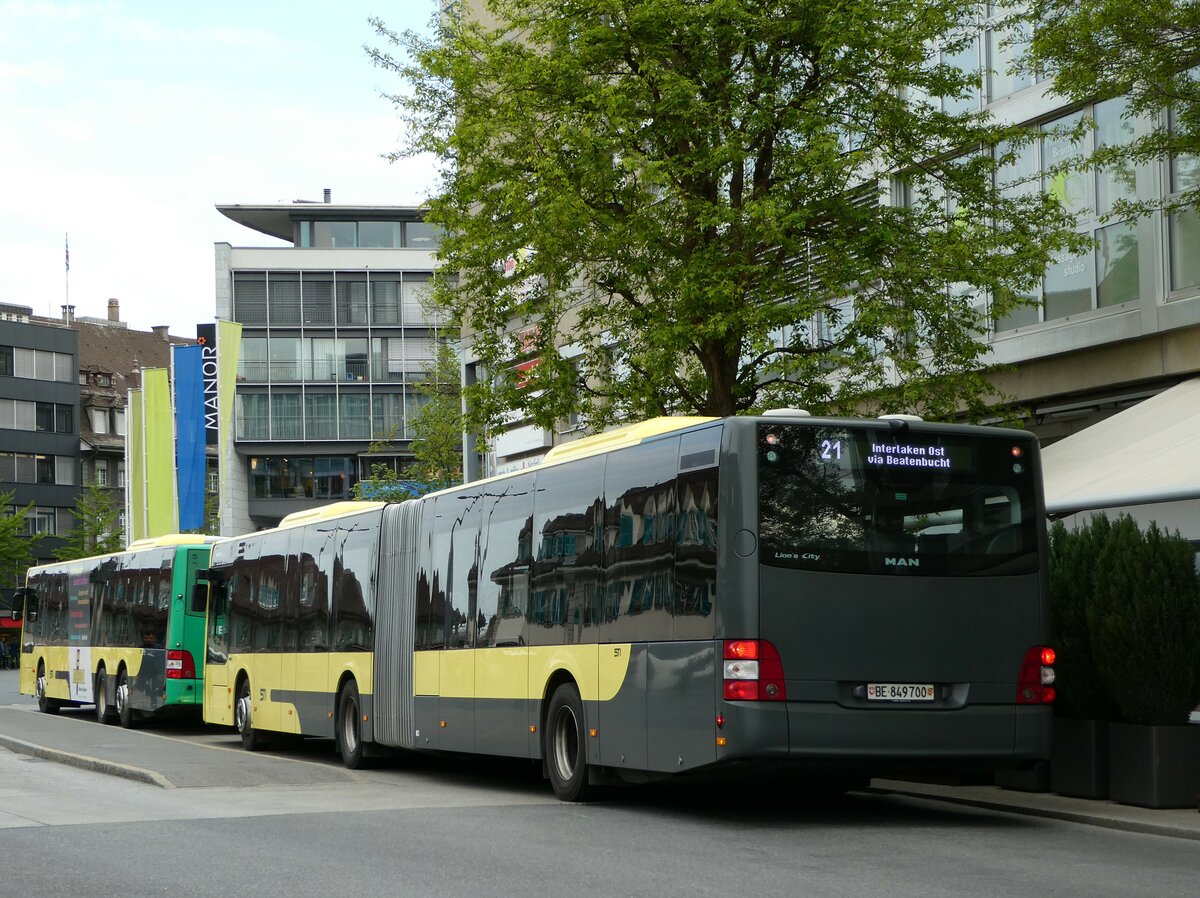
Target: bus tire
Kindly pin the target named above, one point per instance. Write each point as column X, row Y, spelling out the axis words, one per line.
column 252, row 739
column 565, row 748
column 45, row 705
column 104, row 711
column 349, row 726
column 126, row 716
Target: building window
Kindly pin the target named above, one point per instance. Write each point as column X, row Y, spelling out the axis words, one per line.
column 275, row 477
column 1108, row 275
column 99, row 418
column 102, row 472
column 38, row 364
column 355, row 416
column 41, row 520
column 121, row 474
column 285, row 416
column 119, row 420
column 253, row 416
column 1004, row 47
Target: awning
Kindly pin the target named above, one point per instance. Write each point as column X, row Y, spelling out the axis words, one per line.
column 1146, row 454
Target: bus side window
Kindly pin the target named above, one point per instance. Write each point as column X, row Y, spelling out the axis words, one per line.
column 200, row 597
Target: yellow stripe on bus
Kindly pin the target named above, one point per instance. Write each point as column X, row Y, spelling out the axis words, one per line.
column 520, row 673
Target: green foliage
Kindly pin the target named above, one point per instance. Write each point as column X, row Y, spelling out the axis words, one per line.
column 1145, row 623
column 1145, row 50
column 17, row 550
column 384, row 484
column 97, row 529
column 438, row 424
column 436, row 445
column 1082, row 692
column 691, row 194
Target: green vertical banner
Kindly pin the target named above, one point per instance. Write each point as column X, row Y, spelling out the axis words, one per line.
column 161, row 514
column 229, row 348
column 135, row 468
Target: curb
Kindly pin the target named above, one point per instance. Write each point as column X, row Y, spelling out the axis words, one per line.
column 1123, row 824
column 86, row 762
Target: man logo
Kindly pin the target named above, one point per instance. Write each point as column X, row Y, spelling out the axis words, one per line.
column 902, row 562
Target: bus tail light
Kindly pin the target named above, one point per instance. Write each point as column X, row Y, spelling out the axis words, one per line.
column 180, row 665
column 753, row 671
column 1035, row 684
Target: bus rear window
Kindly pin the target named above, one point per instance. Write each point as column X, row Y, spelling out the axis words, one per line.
column 867, row 500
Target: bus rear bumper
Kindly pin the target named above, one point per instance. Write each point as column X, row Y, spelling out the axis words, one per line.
column 880, row 739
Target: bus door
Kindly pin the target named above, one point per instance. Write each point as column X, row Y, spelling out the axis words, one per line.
column 218, row 702
column 304, row 661
column 25, row 609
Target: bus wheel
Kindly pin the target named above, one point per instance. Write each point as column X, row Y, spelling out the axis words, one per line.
column 251, row 739
column 45, row 705
column 125, row 713
column 104, row 711
column 565, row 752
column 349, row 727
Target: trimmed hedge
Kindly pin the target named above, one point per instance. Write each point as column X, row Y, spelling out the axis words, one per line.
column 1082, row 690
column 1144, row 623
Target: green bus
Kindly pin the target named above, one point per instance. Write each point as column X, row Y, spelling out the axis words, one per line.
column 124, row 632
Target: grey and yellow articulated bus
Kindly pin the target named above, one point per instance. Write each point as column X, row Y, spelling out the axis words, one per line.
column 848, row 597
column 124, row 632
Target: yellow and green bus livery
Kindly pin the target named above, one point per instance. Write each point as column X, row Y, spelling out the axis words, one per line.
column 124, row 631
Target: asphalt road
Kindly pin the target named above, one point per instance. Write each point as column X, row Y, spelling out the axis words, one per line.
column 440, row 827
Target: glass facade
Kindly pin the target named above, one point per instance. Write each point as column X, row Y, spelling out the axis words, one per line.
column 331, row 355
column 1109, row 274
column 302, row 477
column 369, row 233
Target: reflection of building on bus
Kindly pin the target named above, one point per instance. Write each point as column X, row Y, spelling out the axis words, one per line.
column 107, row 620
column 673, row 597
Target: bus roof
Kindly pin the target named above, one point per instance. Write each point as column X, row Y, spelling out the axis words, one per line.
column 153, row 542
column 172, row 539
column 629, row 435
column 323, row 512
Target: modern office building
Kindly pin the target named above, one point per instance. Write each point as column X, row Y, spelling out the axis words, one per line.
column 335, row 337
column 39, row 424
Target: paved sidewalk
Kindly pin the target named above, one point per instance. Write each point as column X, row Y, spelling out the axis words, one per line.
column 1182, row 824
column 155, row 758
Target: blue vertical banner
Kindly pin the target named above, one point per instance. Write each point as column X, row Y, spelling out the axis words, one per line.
column 190, row 440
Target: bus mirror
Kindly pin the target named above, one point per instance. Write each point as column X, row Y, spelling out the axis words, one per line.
column 24, row 604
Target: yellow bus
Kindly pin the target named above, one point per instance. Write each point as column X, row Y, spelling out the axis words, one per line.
column 838, row 596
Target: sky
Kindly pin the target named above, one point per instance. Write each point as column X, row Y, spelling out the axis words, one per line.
column 123, row 124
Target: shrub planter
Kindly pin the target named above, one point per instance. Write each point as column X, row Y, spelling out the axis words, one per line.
column 1079, row 758
column 1154, row 766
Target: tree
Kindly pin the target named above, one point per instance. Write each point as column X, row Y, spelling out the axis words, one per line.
column 1147, row 51
column 691, row 194
column 437, row 438
column 97, row 529
column 438, row 424
column 17, row 549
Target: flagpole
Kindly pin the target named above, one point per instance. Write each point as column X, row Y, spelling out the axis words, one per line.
column 67, row 272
